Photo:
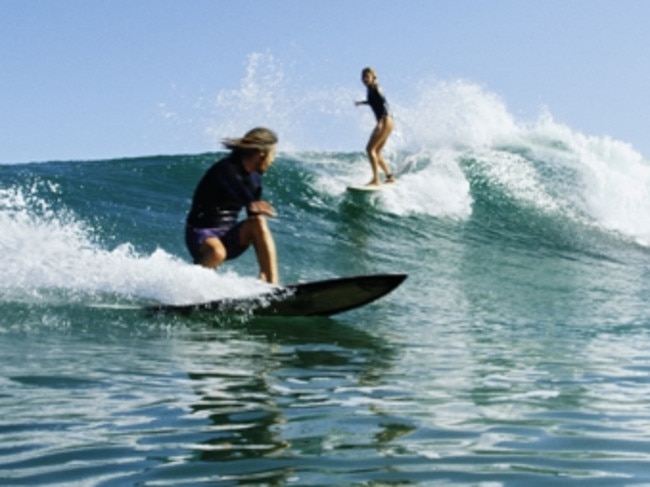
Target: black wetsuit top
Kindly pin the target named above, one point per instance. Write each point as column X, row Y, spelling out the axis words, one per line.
column 377, row 102
column 225, row 189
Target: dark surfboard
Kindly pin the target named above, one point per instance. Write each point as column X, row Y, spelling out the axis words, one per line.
column 319, row 298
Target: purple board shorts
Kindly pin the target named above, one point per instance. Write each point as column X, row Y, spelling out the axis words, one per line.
column 229, row 236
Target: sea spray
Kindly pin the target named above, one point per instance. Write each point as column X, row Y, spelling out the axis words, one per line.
column 49, row 255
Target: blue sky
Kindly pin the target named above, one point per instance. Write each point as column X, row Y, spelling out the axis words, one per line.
column 84, row 79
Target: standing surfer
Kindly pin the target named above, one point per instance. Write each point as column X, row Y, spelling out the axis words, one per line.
column 382, row 130
column 213, row 233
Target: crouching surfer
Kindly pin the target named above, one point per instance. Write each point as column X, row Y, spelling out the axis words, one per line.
column 213, row 233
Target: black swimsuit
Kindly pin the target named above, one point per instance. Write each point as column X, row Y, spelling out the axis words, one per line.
column 377, row 102
column 222, row 193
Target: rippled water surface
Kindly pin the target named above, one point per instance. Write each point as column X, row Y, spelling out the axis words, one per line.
column 322, row 402
column 517, row 352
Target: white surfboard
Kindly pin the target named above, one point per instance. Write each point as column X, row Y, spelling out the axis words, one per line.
column 371, row 187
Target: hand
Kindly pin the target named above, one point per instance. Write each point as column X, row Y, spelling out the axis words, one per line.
column 261, row 208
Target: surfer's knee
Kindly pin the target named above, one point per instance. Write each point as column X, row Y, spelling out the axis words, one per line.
column 213, row 253
column 372, row 154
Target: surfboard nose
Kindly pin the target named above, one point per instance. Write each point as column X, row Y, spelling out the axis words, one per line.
column 318, row 298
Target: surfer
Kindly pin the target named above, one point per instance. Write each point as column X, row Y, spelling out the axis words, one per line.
column 382, row 130
column 213, row 233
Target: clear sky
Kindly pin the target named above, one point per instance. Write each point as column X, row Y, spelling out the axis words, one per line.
column 87, row 79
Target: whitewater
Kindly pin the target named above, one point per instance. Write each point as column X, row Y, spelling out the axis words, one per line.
column 516, row 353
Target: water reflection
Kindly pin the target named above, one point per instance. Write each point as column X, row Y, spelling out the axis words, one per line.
column 278, row 388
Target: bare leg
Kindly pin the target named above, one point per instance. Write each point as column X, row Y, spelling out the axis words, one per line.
column 256, row 231
column 375, row 145
column 371, row 150
column 213, row 253
column 386, row 131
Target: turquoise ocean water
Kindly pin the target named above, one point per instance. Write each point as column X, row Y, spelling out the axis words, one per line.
column 516, row 353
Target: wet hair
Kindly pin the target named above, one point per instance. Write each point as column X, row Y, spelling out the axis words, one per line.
column 255, row 140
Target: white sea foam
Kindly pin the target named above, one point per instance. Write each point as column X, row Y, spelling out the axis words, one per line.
column 614, row 180
column 544, row 164
column 47, row 254
column 441, row 123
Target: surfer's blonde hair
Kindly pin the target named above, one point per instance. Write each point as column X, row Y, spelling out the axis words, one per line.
column 371, row 72
column 257, row 139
